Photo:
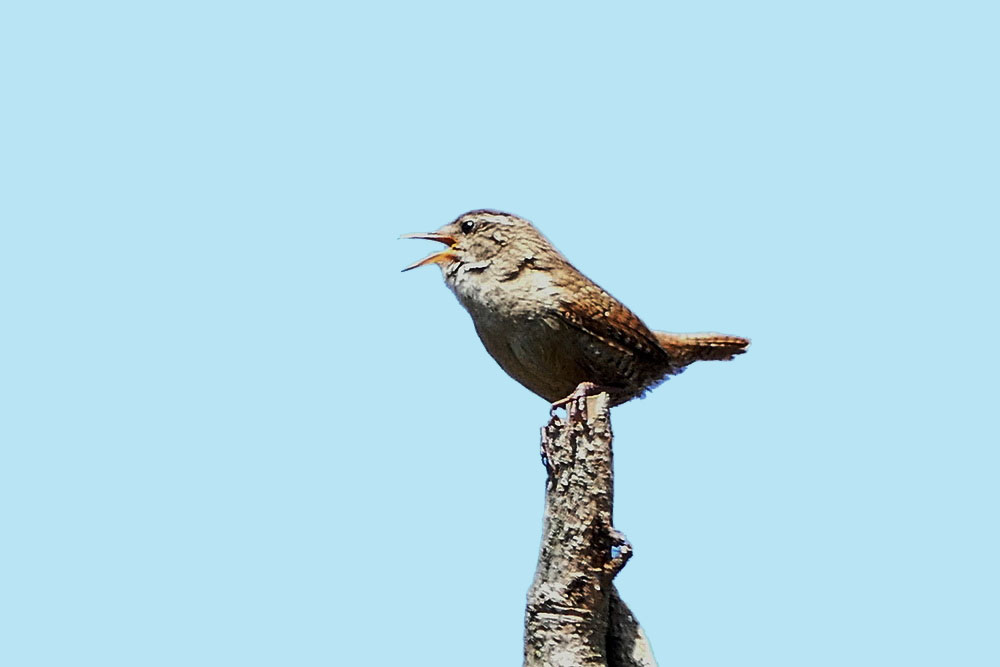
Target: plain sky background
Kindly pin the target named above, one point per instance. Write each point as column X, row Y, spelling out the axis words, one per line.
column 233, row 433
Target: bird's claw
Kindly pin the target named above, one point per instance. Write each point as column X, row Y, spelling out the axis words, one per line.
column 583, row 390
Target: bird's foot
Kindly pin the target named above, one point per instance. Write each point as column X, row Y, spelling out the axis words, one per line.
column 583, row 390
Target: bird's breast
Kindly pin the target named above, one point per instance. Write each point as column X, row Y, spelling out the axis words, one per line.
column 533, row 348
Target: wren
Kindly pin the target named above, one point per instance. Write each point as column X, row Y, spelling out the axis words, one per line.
column 549, row 326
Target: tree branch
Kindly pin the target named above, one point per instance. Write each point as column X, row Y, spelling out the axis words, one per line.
column 574, row 615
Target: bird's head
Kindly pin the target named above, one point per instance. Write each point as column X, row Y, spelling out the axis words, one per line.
column 478, row 239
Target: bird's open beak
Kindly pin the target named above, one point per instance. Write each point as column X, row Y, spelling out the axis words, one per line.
column 437, row 258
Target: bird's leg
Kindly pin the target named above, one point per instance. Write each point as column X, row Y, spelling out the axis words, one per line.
column 583, row 390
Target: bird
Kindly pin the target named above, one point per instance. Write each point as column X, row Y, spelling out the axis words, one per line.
column 546, row 324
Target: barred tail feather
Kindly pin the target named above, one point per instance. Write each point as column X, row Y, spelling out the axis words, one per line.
column 685, row 349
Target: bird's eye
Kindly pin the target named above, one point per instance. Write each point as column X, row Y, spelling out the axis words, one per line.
column 468, row 226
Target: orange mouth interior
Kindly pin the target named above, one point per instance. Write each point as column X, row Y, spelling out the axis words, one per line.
column 442, row 257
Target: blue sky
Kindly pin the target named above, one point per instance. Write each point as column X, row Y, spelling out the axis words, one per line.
column 232, row 432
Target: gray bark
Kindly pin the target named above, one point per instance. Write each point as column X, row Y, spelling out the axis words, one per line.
column 574, row 615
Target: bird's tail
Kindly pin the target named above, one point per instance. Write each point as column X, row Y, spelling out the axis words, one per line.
column 685, row 349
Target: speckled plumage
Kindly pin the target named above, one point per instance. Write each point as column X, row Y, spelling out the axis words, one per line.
column 548, row 325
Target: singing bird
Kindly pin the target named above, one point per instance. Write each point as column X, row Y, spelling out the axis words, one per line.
column 549, row 326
